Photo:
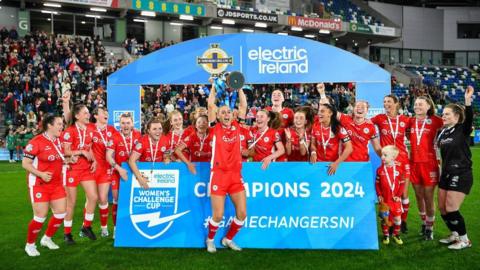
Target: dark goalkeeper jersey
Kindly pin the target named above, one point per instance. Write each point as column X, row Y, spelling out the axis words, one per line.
column 453, row 144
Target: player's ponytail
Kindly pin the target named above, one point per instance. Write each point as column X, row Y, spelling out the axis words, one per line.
column 274, row 121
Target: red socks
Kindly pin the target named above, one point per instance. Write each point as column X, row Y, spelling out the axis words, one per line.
column 34, row 227
column 103, row 215
column 405, row 206
column 54, row 223
column 234, row 228
column 114, row 213
column 212, row 228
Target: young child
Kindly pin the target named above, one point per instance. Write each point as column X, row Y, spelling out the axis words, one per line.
column 389, row 186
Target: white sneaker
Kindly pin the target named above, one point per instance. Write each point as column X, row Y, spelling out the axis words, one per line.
column 460, row 245
column 47, row 242
column 31, row 250
column 104, row 232
column 452, row 238
column 230, row 244
column 211, row 246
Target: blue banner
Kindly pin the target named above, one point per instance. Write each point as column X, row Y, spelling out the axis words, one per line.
column 289, row 206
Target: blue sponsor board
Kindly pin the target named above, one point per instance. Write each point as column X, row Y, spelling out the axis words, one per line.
column 289, row 206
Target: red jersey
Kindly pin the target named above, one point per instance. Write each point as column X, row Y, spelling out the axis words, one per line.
column 79, row 139
column 264, row 142
column 295, row 141
column 47, row 156
column 389, row 185
column 123, row 146
column 101, row 139
column 245, row 137
column 199, row 149
column 422, row 150
column 188, row 131
column 390, row 133
column 226, row 155
column 328, row 143
column 286, row 114
column 174, row 140
column 360, row 134
column 151, row 152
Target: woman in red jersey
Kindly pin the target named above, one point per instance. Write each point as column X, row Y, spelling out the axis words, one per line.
column 77, row 142
column 102, row 134
column 286, row 116
column 43, row 160
column 298, row 136
column 199, row 111
column 327, row 135
column 198, row 144
column 393, row 130
column 226, row 166
column 360, row 130
column 424, row 171
column 118, row 151
column 173, row 129
column 266, row 140
column 148, row 149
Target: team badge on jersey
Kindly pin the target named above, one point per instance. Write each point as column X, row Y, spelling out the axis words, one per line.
column 285, row 116
column 70, row 180
column 51, row 158
column 66, row 136
column 429, row 121
column 138, row 146
column 38, row 195
column 150, row 217
column 163, row 149
column 402, row 124
column 29, row 148
column 384, row 132
column 266, row 139
column 366, row 130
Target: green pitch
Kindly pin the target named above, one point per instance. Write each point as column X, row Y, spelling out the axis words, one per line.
column 16, row 212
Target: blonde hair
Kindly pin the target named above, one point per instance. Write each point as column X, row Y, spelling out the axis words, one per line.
column 391, row 149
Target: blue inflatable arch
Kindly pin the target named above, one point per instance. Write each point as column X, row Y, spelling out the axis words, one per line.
column 262, row 58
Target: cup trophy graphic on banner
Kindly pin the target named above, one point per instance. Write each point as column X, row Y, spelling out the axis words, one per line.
column 216, row 61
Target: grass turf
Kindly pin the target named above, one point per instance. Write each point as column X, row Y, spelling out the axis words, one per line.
column 15, row 213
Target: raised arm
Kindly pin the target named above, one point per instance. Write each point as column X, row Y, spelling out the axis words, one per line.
column 467, row 124
column 212, row 108
column 242, row 106
column 66, row 106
